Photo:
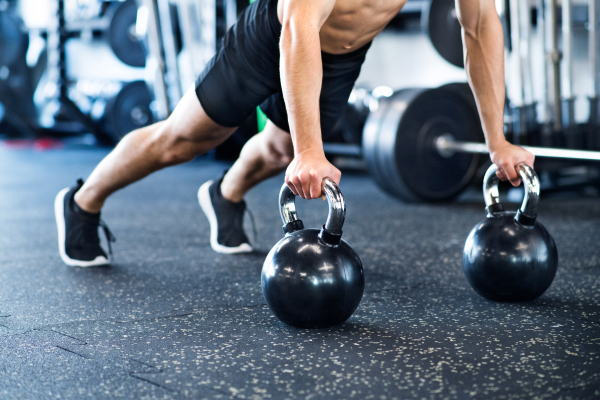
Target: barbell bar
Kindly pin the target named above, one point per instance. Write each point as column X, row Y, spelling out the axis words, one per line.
column 446, row 146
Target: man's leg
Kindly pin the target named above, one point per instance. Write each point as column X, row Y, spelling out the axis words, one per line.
column 262, row 157
column 186, row 133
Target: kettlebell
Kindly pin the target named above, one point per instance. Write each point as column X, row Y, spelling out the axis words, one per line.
column 510, row 256
column 312, row 278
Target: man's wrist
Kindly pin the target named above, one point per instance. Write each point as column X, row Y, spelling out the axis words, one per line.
column 316, row 150
column 497, row 143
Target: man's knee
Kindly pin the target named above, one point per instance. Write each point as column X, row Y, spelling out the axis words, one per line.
column 277, row 148
column 276, row 157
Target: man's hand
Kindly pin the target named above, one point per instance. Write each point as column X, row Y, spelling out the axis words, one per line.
column 507, row 156
column 306, row 172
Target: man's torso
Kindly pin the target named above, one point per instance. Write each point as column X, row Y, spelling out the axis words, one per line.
column 354, row 23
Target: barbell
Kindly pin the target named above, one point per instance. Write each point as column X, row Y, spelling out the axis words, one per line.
column 399, row 137
column 427, row 144
column 446, row 146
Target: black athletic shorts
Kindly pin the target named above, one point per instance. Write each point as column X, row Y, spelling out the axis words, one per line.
column 244, row 74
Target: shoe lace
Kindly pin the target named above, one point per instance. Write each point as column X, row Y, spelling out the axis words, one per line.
column 88, row 233
column 110, row 238
column 254, row 231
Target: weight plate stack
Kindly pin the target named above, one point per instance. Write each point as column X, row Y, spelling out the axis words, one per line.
column 370, row 141
column 128, row 110
column 399, row 144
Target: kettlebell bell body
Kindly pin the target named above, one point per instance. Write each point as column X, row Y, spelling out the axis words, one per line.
column 312, row 278
column 510, row 256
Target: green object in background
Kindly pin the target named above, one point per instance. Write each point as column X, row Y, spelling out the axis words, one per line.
column 261, row 118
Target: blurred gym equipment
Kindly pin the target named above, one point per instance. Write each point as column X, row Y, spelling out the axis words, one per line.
column 440, row 21
column 18, row 117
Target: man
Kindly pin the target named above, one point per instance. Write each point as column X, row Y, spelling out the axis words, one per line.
column 298, row 60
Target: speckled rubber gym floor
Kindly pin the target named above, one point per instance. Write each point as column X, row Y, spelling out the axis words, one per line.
column 171, row 319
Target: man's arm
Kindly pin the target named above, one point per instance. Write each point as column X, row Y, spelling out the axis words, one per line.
column 301, row 79
column 484, row 64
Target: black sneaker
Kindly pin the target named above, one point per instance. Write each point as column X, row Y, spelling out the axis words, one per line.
column 226, row 220
column 78, row 241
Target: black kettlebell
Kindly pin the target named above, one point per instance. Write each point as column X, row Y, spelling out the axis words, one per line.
column 312, row 278
column 510, row 256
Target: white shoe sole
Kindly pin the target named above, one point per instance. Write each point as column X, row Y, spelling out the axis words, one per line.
column 206, row 205
column 59, row 212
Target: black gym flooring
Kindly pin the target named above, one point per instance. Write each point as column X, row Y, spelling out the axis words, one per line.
column 171, row 319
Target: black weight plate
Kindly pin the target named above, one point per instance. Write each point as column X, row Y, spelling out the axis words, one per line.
column 121, row 35
column 13, row 42
column 370, row 139
column 414, row 170
column 129, row 110
column 376, row 144
column 463, row 89
column 441, row 23
column 387, row 141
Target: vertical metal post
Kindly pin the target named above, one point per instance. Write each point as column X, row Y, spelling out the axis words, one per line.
column 523, row 111
column 530, row 103
column 515, row 35
column 593, row 134
column 207, row 12
column 517, row 100
column 568, row 101
column 546, row 112
column 155, row 64
column 187, row 60
column 567, row 47
column 168, row 40
column 593, row 11
column 62, row 54
column 554, row 57
column 230, row 12
column 525, row 29
column 541, row 32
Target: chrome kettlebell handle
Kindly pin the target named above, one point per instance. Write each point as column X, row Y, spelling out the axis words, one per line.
column 337, row 209
column 528, row 211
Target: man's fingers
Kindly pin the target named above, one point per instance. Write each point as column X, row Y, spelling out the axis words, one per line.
column 296, row 186
column 511, row 173
column 304, row 183
column 316, row 185
column 292, row 187
column 508, row 158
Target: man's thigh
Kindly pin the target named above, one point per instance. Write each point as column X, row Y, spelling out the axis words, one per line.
column 189, row 122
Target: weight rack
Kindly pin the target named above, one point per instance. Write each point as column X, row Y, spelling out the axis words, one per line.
column 172, row 66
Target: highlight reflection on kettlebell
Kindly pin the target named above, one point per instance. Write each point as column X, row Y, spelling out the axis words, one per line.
column 510, row 256
column 312, row 278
